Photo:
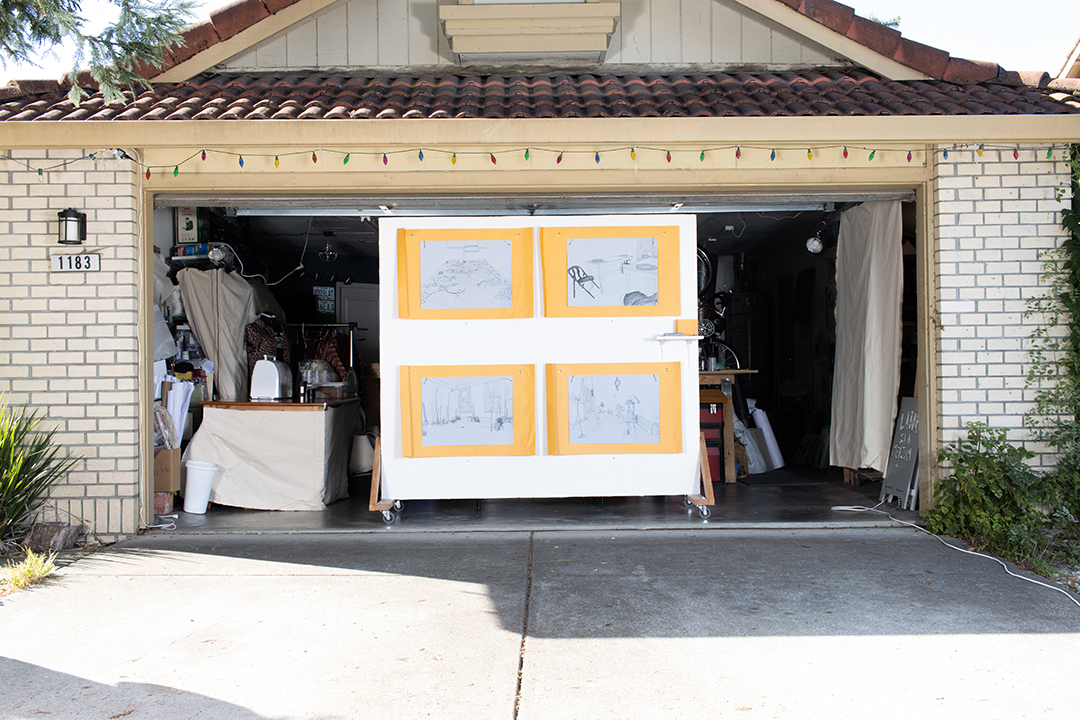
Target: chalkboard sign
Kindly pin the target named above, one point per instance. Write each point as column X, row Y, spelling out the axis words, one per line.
column 900, row 476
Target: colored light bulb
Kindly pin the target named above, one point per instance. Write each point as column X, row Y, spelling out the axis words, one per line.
column 175, row 170
column 241, row 161
column 277, row 161
column 669, row 156
column 558, row 159
column 809, row 154
column 1016, row 154
column 526, row 153
column 872, row 154
column 772, row 155
column 420, row 155
column 493, row 160
column 633, row 153
column 597, row 158
column 945, row 154
column 980, row 150
column 345, row 160
column 147, row 173
column 384, row 160
column 909, row 156
column 453, row 159
column 738, row 153
column 314, row 157
column 845, row 152
column 203, row 154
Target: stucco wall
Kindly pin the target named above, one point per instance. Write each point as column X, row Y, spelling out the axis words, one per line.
column 68, row 341
column 995, row 214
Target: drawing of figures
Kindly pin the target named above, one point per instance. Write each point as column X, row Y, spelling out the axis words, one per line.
column 467, row 411
column 614, row 409
column 603, row 272
column 463, row 274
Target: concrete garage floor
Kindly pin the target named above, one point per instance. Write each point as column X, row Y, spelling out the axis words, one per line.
column 538, row 625
column 737, row 506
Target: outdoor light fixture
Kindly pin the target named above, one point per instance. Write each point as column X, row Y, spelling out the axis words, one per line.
column 814, row 244
column 328, row 254
column 72, row 227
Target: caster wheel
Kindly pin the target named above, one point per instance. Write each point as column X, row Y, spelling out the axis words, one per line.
column 687, row 502
column 388, row 517
column 704, row 512
column 398, row 505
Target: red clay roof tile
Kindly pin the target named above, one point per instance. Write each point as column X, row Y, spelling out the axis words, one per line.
column 833, row 15
column 923, row 58
column 880, row 38
column 338, row 96
column 237, row 16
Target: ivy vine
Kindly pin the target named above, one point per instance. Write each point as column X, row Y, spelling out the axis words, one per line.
column 992, row 498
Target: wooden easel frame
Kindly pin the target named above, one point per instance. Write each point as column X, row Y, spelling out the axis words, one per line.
column 706, row 498
column 376, row 503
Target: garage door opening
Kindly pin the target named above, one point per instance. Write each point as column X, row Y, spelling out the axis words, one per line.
column 767, row 277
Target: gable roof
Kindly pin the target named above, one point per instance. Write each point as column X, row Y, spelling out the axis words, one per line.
column 955, row 86
column 238, row 17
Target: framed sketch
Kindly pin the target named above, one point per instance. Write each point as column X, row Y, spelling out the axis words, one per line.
column 610, row 271
column 465, row 274
column 614, row 408
column 468, row 410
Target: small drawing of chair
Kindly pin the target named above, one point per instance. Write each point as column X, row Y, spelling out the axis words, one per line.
column 579, row 276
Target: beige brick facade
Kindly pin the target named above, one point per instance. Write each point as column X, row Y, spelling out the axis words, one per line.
column 69, row 341
column 995, row 216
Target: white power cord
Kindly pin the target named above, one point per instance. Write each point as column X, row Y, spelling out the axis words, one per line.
column 860, row 508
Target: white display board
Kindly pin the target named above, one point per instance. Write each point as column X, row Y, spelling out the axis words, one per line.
column 537, row 341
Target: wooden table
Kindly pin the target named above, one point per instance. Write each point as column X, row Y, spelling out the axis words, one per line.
column 716, row 395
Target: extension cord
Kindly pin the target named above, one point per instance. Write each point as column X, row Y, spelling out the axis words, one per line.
column 861, row 508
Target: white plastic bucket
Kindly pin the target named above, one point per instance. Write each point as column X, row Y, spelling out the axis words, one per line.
column 200, row 478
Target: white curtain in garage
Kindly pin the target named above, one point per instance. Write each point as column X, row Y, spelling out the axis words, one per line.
column 219, row 305
column 866, row 376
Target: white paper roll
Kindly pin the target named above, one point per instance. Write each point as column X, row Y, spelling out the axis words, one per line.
column 762, row 421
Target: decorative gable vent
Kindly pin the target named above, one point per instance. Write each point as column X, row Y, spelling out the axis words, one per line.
column 550, row 33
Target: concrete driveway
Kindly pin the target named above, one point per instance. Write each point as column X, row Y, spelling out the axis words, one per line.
column 768, row 623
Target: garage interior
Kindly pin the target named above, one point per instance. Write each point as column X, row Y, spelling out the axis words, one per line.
column 767, row 282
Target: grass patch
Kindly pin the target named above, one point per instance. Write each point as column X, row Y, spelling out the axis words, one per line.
column 34, row 568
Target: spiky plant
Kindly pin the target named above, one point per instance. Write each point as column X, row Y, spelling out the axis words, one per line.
column 30, row 463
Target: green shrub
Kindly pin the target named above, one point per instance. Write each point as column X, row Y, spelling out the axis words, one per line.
column 29, row 465
column 991, row 498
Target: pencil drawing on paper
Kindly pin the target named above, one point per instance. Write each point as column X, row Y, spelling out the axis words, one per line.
column 614, row 409
column 467, row 411
column 602, row 272
column 464, row 274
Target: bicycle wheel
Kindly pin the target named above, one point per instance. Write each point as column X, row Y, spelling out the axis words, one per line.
column 726, row 358
column 704, row 271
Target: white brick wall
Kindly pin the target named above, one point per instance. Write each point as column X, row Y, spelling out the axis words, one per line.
column 994, row 215
column 68, row 341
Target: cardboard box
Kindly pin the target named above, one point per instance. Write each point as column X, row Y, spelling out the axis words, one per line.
column 166, row 470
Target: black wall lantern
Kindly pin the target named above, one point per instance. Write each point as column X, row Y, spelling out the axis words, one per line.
column 72, row 227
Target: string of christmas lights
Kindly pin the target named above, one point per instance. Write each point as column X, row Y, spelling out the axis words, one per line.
column 737, row 151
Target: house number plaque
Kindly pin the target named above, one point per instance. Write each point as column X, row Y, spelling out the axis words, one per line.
column 76, row 263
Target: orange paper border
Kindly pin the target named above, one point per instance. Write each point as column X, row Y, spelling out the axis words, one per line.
column 524, row 383
column 558, row 408
column 553, row 262
column 409, row 280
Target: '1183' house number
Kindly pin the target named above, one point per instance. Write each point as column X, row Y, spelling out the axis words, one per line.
column 76, row 263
